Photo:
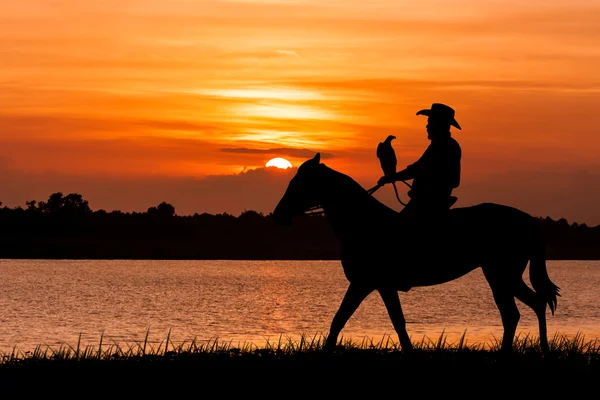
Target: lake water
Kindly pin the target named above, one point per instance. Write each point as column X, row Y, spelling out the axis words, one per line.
column 52, row 302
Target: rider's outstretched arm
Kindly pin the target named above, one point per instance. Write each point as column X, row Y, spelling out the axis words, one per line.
column 406, row 174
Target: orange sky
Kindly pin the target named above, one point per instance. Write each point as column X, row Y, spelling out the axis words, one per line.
column 168, row 95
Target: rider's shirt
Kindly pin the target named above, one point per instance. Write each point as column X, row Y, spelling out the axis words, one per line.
column 437, row 172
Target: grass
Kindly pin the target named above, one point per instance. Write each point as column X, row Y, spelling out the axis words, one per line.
column 571, row 354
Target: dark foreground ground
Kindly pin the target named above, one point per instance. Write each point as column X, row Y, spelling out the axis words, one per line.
column 314, row 374
column 302, row 369
column 421, row 361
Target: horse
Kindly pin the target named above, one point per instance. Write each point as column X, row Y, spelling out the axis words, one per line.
column 499, row 239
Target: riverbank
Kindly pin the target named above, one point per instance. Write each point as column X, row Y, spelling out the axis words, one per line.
column 288, row 369
column 575, row 354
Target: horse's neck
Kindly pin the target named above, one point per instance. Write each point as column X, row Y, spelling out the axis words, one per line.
column 348, row 206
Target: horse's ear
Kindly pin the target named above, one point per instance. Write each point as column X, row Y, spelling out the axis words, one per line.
column 317, row 158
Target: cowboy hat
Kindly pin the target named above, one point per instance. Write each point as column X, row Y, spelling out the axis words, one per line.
column 440, row 111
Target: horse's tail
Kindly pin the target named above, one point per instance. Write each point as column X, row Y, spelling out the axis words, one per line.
column 538, row 273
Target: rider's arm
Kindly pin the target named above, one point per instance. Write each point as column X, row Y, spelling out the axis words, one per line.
column 410, row 172
column 407, row 173
column 415, row 169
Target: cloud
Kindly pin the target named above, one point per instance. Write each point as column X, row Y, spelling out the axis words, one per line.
column 23, row 125
column 394, row 85
column 287, row 53
column 299, row 153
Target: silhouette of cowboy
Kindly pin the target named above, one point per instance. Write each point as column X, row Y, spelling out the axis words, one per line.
column 436, row 173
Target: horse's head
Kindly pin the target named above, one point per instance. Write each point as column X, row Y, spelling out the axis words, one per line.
column 302, row 192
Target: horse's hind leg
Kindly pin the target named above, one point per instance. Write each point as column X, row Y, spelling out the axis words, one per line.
column 503, row 290
column 352, row 299
column 392, row 304
column 537, row 303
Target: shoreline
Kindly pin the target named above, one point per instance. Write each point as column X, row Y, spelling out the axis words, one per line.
column 82, row 258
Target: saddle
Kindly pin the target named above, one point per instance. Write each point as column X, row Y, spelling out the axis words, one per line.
column 427, row 223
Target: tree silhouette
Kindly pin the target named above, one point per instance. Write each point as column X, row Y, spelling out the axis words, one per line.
column 54, row 203
column 70, row 205
column 65, row 227
column 73, row 204
column 163, row 210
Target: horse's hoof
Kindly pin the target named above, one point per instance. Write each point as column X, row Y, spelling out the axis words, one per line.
column 328, row 348
column 407, row 347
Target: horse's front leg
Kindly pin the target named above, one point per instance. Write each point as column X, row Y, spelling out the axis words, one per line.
column 392, row 304
column 354, row 296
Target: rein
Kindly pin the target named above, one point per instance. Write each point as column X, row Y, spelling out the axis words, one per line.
column 376, row 188
column 317, row 210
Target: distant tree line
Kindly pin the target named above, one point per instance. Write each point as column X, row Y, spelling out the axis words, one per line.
column 64, row 227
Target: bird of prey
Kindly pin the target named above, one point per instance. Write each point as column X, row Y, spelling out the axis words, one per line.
column 387, row 156
column 388, row 161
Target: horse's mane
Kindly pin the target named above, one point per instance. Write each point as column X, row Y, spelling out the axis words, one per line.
column 352, row 190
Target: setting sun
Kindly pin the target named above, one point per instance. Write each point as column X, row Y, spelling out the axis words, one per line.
column 279, row 163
